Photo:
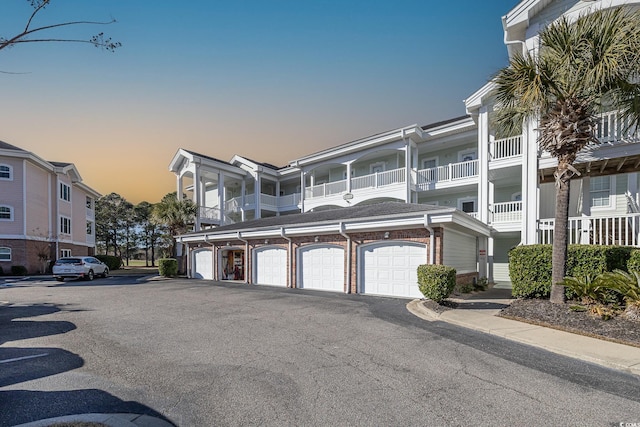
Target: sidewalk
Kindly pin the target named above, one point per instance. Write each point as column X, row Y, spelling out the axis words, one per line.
column 111, row 420
column 479, row 312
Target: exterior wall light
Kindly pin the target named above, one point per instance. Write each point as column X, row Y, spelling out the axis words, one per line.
column 386, row 234
column 266, row 241
column 316, row 239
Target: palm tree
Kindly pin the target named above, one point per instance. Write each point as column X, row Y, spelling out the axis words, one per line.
column 175, row 214
column 581, row 68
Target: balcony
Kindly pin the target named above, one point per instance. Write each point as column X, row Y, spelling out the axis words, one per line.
column 621, row 230
column 448, row 173
column 371, row 181
column 506, row 148
column 506, row 212
column 611, row 129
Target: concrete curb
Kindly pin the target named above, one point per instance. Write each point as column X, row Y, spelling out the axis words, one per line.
column 605, row 353
column 111, row 420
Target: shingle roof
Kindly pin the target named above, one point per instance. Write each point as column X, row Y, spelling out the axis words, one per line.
column 206, row 157
column 383, row 209
column 444, row 122
column 60, row 164
column 6, row 146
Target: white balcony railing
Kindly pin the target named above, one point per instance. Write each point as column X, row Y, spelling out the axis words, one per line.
column 379, row 179
column 326, row 189
column 289, row 200
column 209, row 213
column 507, row 212
column 612, row 128
column 505, row 148
column 450, row 172
column 621, row 230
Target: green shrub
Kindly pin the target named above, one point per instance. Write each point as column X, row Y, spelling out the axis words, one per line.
column 530, row 266
column 113, row 262
column 634, row 261
column 626, row 284
column 18, row 270
column 436, row 282
column 168, row 267
column 593, row 290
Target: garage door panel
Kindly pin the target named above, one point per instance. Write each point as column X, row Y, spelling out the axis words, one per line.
column 390, row 268
column 321, row 267
column 271, row 266
column 202, row 264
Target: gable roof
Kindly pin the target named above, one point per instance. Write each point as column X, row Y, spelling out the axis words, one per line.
column 7, row 146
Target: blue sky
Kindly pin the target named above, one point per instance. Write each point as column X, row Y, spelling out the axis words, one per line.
column 270, row 80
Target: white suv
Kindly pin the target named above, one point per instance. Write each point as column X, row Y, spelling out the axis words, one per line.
column 85, row 267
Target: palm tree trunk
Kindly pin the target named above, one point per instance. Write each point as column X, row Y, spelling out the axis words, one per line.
column 560, row 240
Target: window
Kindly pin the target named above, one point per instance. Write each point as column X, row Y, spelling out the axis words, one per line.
column 65, row 192
column 89, row 227
column 65, row 225
column 5, row 254
column 467, row 155
column 6, row 172
column 89, row 203
column 467, row 205
column 6, row 213
column 430, row 163
column 600, row 191
column 376, row 167
column 64, row 253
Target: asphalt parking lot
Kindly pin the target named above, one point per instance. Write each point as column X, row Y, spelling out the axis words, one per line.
column 200, row 353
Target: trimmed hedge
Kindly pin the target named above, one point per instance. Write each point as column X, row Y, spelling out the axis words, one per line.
column 113, row 262
column 436, row 282
column 530, row 265
column 634, row 261
column 18, row 270
column 168, row 267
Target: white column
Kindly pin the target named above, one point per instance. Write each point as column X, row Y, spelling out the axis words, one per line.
column 491, row 200
column 482, row 256
column 483, row 165
column 530, row 209
column 277, row 197
column 490, row 260
column 243, row 189
column 302, row 190
column 258, row 192
column 407, row 170
column 585, row 210
column 221, row 196
column 349, row 177
column 197, row 191
column 179, row 186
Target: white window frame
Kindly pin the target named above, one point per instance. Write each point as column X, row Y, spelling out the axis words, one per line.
column 65, row 253
column 466, row 200
column 62, row 193
column 372, row 166
column 463, row 153
column 424, row 161
column 89, row 202
column 612, row 195
column 9, row 171
column 65, row 224
column 6, row 250
column 11, row 216
column 90, row 228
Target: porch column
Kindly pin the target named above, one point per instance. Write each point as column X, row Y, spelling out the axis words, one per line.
column 197, row 195
column 530, row 209
column 492, row 198
column 483, row 165
column 277, row 198
column 482, row 256
column 414, row 172
column 179, row 186
column 585, row 211
column 221, row 196
column 258, row 192
column 243, row 190
column 490, row 260
column 349, row 177
column 302, row 190
column 407, row 170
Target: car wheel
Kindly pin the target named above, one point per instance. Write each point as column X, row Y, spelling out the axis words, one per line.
column 60, row 279
column 106, row 272
column 89, row 275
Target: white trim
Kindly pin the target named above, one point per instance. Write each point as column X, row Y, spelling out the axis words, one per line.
column 372, row 166
column 425, row 160
column 612, row 194
column 10, row 253
column 10, row 172
column 463, row 153
column 468, row 199
column 61, row 225
column 65, row 253
column 11, row 214
column 60, row 191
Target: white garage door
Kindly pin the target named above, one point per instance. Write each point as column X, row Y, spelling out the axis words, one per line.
column 202, row 264
column 390, row 268
column 321, row 267
column 270, row 266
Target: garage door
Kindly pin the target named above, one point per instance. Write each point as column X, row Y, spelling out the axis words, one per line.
column 270, row 266
column 202, row 264
column 321, row 267
column 390, row 268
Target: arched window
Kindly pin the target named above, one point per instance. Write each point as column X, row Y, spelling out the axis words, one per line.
column 6, row 172
column 5, row 254
column 6, row 213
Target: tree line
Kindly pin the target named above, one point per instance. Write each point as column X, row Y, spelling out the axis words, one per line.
column 125, row 230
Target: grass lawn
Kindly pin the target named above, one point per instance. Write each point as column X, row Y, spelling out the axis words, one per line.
column 136, row 266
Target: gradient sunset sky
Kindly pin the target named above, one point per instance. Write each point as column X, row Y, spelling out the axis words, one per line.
column 271, row 80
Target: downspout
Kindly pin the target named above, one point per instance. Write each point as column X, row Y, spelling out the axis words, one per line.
column 246, row 257
column 290, row 272
column 346, row 236
column 432, row 239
